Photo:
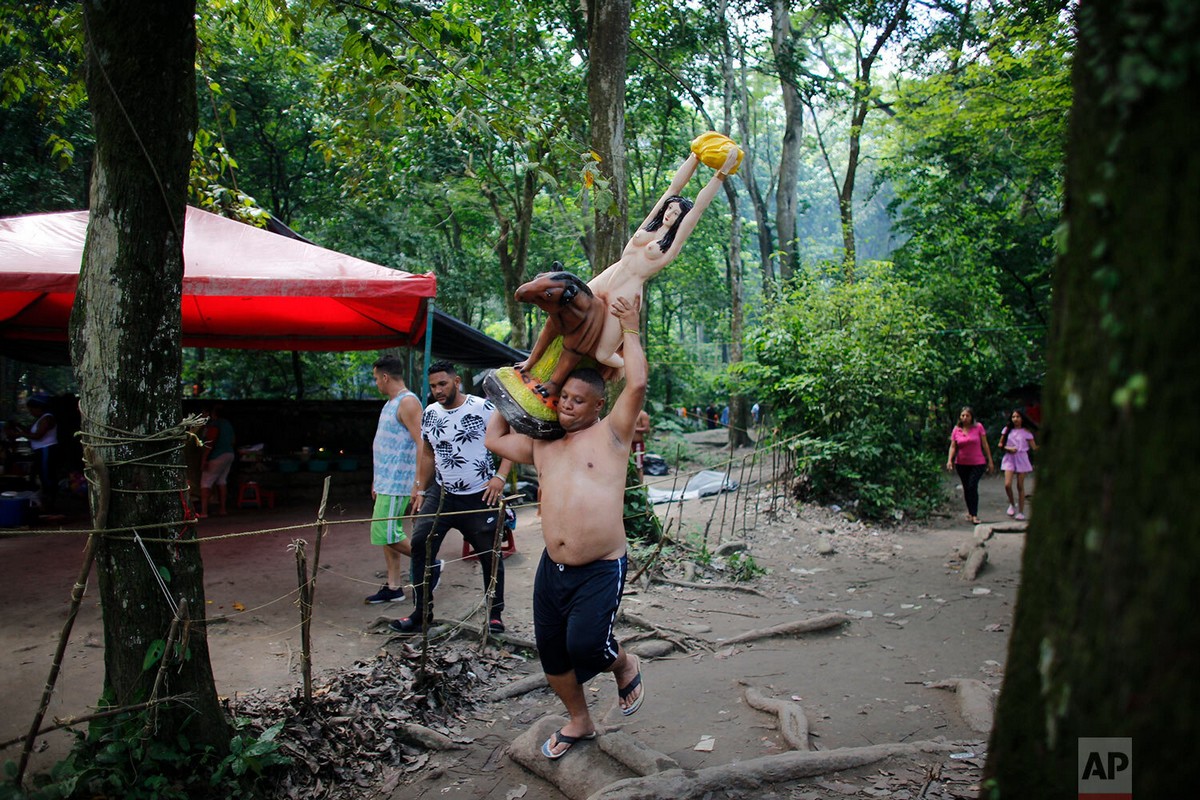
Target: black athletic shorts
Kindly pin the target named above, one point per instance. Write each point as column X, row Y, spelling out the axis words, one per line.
column 574, row 609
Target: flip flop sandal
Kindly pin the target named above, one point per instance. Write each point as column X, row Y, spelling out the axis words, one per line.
column 627, row 689
column 558, row 737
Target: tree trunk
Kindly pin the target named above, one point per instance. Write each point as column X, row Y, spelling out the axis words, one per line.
column 510, row 273
column 739, row 435
column 1105, row 641
column 738, row 428
column 862, row 99
column 786, row 58
column 846, row 194
column 762, row 218
column 298, row 374
column 125, row 345
column 608, row 50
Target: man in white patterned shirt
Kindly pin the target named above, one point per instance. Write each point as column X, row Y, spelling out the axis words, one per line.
column 466, row 489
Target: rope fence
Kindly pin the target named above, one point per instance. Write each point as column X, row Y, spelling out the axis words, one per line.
column 776, row 458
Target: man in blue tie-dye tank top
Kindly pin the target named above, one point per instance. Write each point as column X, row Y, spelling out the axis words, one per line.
column 395, row 467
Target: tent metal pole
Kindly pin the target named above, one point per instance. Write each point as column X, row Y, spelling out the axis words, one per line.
column 428, row 351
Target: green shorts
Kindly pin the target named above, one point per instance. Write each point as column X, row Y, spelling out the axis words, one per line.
column 386, row 525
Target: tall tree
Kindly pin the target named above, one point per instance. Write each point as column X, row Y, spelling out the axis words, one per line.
column 868, row 27
column 125, row 345
column 789, row 54
column 763, row 227
column 738, row 416
column 608, row 50
column 1105, row 640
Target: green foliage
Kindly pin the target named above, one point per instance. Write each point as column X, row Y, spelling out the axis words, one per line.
column 45, row 143
column 975, row 157
column 114, row 760
column 737, row 567
column 251, row 756
column 741, row 567
column 666, row 421
column 241, row 374
column 702, row 556
column 854, row 367
column 453, row 138
column 641, row 523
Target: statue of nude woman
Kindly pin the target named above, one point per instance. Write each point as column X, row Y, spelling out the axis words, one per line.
column 654, row 245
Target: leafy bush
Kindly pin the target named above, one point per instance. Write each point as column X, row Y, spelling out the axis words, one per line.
column 853, row 366
column 641, row 523
column 115, row 760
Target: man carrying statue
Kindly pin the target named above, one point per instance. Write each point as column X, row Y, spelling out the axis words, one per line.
column 581, row 458
column 581, row 575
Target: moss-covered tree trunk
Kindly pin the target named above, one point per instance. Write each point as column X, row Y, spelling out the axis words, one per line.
column 1106, row 641
column 125, row 345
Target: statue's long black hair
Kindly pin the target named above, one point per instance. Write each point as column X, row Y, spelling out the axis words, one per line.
column 654, row 224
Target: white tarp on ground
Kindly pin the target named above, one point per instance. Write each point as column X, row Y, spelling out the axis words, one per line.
column 702, row 484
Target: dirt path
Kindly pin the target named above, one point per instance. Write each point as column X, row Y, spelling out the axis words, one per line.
column 914, row 621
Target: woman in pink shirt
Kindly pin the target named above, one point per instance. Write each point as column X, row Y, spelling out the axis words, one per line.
column 970, row 455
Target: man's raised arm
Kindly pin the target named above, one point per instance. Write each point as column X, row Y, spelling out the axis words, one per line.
column 625, row 411
column 502, row 441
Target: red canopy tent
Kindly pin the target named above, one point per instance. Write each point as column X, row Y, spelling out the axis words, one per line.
column 243, row 287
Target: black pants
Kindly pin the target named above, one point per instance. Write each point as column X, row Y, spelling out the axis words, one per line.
column 478, row 529
column 970, row 474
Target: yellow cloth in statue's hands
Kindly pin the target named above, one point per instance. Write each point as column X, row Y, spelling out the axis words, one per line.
column 712, row 149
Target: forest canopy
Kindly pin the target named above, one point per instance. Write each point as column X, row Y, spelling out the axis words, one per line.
column 896, row 213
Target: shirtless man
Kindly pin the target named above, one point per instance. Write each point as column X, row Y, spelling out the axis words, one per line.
column 582, row 571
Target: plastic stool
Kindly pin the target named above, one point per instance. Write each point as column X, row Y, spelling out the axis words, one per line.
column 251, row 495
column 508, row 546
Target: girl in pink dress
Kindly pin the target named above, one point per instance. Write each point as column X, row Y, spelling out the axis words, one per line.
column 1015, row 442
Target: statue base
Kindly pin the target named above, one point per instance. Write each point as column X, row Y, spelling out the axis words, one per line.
column 521, row 405
column 515, row 395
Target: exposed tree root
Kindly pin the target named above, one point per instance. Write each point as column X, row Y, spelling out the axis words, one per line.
column 646, row 646
column 679, row 784
column 635, row 755
column 519, row 687
column 730, row 587
column 682, row 639
column 974, row 563
column 590, row 765
column 976, row 701
column 818, row 623
column 793, row 725
column 426, row 737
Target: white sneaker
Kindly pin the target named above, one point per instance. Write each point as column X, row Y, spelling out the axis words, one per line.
column 1011, row 510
